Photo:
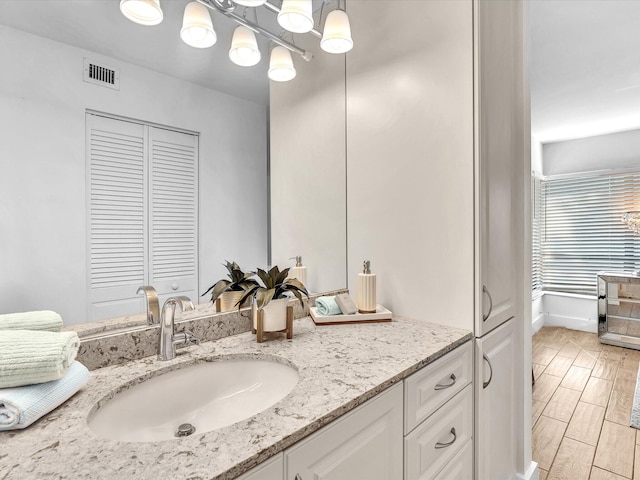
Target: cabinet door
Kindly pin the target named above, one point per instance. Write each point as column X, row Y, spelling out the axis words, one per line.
column 495, row 404
column 272, row 469
column 365, row 444
column 497, row 152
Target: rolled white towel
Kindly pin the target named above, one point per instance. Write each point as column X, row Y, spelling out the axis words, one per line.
column 31, row 356
column 21, row 406
column 38, row 320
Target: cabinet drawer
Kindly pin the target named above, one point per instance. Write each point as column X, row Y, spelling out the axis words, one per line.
column 272, row 469
column 459, row 467
column 436, row 440
column 428, row 389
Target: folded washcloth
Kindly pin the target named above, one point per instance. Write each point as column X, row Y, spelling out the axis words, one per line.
column 31, row 356
column 40, row 320
column 328, row 306
column 21, row 406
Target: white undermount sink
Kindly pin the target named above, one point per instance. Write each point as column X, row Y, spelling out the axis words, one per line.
column 195, row 399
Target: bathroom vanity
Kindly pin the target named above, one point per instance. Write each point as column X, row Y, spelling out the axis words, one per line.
column 370, row 398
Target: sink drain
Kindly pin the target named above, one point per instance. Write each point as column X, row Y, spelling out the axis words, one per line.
column 185, row 430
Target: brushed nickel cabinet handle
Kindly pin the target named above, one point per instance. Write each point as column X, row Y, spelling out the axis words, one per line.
column 448, row 444
column 443, row 386
column 486, row 290
column 486, row 359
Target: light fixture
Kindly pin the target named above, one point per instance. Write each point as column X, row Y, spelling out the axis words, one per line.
column 250, row 3
column 296, row 16
column 632, row 220
column 244, row 47
column 337, row 33
column 197, row 29
column 281, row 67
column 144, row 12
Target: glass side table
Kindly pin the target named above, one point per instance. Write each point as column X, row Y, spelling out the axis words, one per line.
column 619, row 309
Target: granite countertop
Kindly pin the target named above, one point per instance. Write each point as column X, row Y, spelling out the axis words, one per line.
column 340, row 367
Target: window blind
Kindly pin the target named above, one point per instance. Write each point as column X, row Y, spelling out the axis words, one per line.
column 583, row 232
column 537, row 230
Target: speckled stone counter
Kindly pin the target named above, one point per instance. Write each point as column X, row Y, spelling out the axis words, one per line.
column 340, row 367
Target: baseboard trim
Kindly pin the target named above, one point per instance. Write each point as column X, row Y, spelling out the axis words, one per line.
column 538, row 323
column 573, row 323
column 532, row 473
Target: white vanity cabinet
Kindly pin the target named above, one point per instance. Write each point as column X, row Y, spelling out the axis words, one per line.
column 364, row 444
column 439, row 419
column 496, row 404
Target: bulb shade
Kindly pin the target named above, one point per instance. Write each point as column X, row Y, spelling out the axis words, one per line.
column 296, row 16
column 336, row 37
column 144, row 12
column 197, row 29
column 244, row 48
column 281, row 67
column 250, row 3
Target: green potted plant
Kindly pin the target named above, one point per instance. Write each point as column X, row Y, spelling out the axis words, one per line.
column 272, row 299
column 228, row 293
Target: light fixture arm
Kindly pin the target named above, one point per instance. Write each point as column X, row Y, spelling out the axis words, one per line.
column 226, row 7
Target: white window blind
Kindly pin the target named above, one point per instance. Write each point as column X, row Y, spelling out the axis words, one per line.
column 537, row 231
column 583, row 232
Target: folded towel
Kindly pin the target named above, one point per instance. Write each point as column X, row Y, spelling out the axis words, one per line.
column 31, row 356
column 40, row 320
column 21, row 406
column 328, row 306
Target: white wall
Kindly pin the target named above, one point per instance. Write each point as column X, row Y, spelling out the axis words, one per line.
column 576, row 312
column 42, row 159
column 308, row 169
column 410, row 156
column 602, row 152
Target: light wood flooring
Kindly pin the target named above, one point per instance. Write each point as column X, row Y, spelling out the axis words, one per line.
column 581, row 411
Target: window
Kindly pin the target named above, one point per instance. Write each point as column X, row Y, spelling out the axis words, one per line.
column 142, row 200
column 537, row 230
column 582, row 233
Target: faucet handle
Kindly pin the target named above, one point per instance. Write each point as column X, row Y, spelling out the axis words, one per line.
column 186, row 337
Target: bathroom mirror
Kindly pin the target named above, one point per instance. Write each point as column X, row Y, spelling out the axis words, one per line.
column 44, row 249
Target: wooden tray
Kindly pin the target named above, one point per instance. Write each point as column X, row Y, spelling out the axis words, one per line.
column 381, row 315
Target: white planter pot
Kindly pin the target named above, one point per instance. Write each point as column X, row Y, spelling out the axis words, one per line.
column 228, row 300
column 274, row 317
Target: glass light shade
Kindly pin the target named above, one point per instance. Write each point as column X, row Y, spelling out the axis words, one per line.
column 632, row 220
column 296, row 16
column 144, row 12
column 244, row 48
column 281, row 67
column 197, row 29
column 336, row 37
column 250, row 3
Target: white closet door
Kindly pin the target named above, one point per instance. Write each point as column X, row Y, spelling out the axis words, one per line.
column 173, row 213
column 117, row 205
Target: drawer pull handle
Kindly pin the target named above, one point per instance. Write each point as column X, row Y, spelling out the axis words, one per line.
column 486, row 359
column 298, row 477
column 444, row 386
column 448, row 444
column 486, row 290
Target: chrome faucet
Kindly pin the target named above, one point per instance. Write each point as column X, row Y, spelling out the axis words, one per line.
column 153, row 307
column 168, row 338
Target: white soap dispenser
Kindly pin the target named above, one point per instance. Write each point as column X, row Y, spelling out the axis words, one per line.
column 366, row 289
column 299, row 271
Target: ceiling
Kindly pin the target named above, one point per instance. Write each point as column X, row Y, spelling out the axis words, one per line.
column 585, row 67
column 98, row 26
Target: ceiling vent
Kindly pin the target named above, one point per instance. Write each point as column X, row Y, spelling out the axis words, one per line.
column 101, row 74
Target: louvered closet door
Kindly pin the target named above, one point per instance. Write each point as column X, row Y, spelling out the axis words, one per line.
column 173, row 213
column 117, row 205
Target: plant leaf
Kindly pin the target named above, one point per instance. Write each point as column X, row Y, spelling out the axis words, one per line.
column 282, row 276
column 264, row 296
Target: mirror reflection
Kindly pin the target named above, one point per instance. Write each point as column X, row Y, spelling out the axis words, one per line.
column 207, row 153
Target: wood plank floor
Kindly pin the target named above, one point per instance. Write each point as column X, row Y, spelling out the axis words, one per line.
column 581, row 411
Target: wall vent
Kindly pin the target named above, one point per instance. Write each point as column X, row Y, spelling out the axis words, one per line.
column 101, row 74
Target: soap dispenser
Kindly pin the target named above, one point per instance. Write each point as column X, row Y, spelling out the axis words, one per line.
column 366, row 289
column 299, row 271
